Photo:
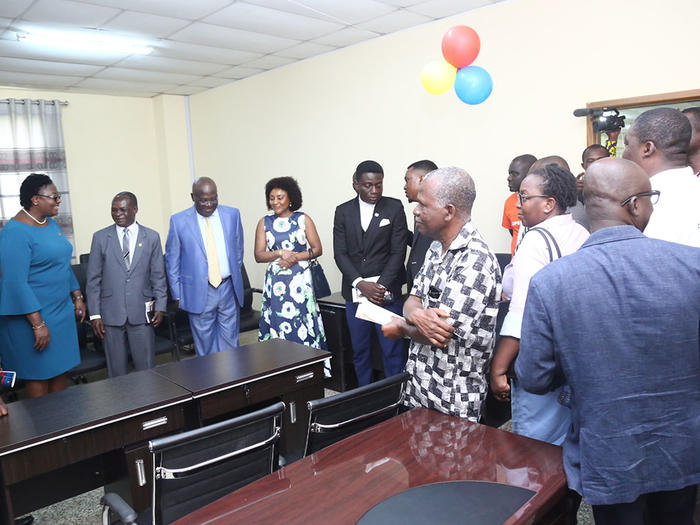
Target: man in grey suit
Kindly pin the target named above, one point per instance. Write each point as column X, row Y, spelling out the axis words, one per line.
column 126, row 271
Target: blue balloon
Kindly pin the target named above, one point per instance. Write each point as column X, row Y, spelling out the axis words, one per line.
column 473, row 84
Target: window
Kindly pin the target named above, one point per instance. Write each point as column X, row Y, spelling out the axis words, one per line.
column 31, row 141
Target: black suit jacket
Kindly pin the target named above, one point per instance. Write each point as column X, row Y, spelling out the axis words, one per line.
column 419, row 249
column 380, row 250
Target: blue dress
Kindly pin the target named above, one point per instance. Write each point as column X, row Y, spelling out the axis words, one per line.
column 36, row 276
column 289, row 308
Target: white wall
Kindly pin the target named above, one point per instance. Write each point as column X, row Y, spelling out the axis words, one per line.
column 317, row 119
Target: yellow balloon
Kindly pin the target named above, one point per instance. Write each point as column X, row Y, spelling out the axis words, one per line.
column 438, row 76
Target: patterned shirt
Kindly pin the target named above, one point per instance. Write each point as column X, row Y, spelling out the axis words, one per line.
column 466, row 283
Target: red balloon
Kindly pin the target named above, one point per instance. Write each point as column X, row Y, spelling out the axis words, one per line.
column 460, row 46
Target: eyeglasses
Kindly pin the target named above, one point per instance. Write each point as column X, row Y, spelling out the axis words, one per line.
column 207, row 202
column 522, row 198
column 653, row 196
column 55, row 198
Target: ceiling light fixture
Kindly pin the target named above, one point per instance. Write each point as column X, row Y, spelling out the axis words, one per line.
column 93, row 41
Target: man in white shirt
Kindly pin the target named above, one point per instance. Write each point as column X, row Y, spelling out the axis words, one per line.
column 369, row 244
column 658, row 141
column 125, row 272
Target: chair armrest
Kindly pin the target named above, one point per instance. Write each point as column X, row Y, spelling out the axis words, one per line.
column 120, row 507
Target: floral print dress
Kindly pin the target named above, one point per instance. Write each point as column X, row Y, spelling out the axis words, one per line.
column 289, row 308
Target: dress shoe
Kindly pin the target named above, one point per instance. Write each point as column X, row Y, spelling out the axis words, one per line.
column 25, row 520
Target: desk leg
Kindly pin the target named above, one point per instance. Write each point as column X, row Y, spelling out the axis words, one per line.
column 7, row 515
column 296, row 417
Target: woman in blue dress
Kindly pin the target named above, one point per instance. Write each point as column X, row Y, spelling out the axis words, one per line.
column 287, row 239
column 40, row 299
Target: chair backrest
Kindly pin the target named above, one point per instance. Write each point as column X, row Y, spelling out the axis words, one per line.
column 337, row 417
column 247, row 292
column 194, row 468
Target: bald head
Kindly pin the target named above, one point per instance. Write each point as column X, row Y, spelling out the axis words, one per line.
column 551, row 159
column 205, row 196
column 201, row 182
column 607, row 184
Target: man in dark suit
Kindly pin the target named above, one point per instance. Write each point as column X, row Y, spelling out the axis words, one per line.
column 204, row 255
column 369, row 240
column 420, row 242
column 126, row 271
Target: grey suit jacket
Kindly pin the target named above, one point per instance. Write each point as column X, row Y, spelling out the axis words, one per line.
column 118, row 294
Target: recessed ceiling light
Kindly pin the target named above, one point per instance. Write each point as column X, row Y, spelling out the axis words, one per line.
column 92, row 41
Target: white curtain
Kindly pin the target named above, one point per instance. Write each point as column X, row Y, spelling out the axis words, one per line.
column 31, row 141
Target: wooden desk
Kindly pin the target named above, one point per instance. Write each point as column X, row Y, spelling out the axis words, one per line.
column 63, row 444
column 341, row 483
column 90, row 435
column 256, row 374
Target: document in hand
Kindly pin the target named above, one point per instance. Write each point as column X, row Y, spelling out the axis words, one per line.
column 357, row 296
column 150, row 310
column 376, row 314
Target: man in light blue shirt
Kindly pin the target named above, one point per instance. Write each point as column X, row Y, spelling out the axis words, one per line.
column 204, row 256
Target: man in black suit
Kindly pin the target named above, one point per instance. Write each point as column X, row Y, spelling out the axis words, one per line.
column 420, row 243
column 369, row 240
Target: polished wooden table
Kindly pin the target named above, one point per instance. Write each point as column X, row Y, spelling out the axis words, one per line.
column 339, row 484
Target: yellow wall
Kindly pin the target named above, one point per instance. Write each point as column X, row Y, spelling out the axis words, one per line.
column 120, row 143
column 317, row 119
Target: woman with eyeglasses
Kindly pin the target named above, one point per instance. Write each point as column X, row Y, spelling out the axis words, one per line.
column 545, row 195
column 40, row 298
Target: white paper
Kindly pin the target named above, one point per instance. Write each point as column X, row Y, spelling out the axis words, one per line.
column 150, row 307
column 376, row 314
column 357, row 296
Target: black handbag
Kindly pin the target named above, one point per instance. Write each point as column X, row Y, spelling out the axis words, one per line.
column 318, row 278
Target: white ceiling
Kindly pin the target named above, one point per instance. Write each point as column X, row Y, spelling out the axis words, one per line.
column 197, row 44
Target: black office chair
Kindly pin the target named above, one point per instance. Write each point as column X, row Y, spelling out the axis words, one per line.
column 196, row 467
column 250, row 319
column 337, row 417
column 92, row 356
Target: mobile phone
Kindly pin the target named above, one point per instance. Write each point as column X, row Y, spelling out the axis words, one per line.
column 7, row 378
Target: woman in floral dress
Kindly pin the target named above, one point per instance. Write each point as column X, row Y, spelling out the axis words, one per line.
column 285, row 239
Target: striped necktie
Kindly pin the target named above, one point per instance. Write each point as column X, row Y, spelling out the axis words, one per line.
column 125, row 248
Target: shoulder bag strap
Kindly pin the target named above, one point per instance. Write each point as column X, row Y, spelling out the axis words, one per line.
column 550, row 240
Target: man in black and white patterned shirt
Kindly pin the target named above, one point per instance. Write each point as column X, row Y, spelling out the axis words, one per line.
column 451, row 312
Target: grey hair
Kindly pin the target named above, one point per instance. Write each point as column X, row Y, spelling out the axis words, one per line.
column 454, row 186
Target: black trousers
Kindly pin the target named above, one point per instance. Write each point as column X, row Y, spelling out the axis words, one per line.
column 674, row 507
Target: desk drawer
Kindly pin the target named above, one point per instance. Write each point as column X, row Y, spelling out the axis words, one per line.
column 270, row 388
column 91, row 442
column 285, row 383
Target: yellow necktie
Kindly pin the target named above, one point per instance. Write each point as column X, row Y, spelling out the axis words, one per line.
column 212, row 257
